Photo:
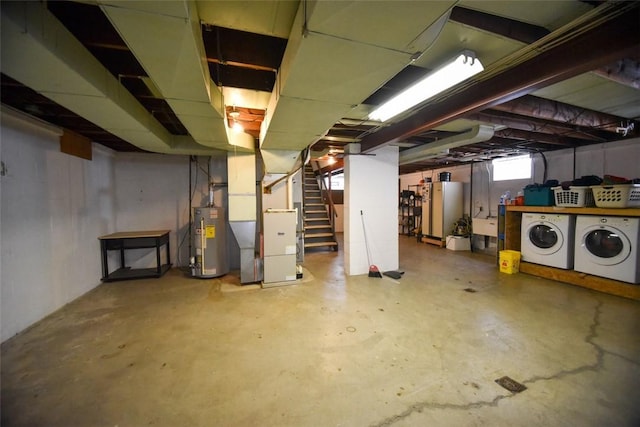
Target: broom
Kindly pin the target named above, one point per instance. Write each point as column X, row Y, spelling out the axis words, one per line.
column 373, row 270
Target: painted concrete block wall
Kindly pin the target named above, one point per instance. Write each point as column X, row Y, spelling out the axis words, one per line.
column 371, row 186
column 152, row 193
column 619, row 159
column 616, row 158
column 460, row 173
column 53, row 208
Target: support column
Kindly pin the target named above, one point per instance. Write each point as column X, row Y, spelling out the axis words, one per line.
column 371, row 186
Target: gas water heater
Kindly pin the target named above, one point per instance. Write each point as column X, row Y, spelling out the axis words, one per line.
column 210, row 243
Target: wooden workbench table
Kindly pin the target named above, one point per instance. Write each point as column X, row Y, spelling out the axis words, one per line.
column 134, row 240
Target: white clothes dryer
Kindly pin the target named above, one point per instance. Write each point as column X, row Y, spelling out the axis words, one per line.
column 547, row 239
column 607, row 246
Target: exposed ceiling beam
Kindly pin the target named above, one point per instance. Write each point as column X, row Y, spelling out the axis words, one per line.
column 548, row 109
column 530, row 124
column 624, row 71
column 523, row 135
column 516, row 30
column 601, row 44
column 337, row 166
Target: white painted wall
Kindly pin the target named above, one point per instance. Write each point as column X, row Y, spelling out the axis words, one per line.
column 152, row 193
column 371, row 186
column 620, row 158
column 460, row 173
column 615, row 158
column 53, row 208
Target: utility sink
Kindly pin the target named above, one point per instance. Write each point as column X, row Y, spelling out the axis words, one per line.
column 485, row 226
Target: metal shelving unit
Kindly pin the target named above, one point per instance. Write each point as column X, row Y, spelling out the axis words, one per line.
column 409, row 210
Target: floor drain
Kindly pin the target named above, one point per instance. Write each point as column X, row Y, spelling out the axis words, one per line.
column 511, row 385
column 470, row 290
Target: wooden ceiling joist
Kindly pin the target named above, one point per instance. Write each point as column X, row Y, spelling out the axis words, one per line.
column 522, row 135
column 516, row 30
column 541, row 126
column 541, row 108
column 611, row 38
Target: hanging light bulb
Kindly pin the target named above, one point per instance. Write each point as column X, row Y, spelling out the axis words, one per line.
column 237, row 127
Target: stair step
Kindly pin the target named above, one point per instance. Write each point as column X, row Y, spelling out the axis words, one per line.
column 317, row 219
column 315, row 212
column 315, row 204
column 319, row 244
column 312, row 235
column 316, row 227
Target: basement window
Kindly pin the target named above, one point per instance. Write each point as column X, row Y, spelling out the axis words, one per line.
column 517, row 167
column 337, row 181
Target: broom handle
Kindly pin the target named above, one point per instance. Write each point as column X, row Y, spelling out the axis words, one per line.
column 366, row 243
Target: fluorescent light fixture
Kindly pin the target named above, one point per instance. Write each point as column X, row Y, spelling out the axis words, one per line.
column 453, row 72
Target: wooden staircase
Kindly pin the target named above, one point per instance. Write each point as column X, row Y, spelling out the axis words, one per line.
column 318, row 230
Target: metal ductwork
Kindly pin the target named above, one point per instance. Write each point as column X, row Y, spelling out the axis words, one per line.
column 171, row 30
column 241, row 171
column 477, row 134
column 33, row 41
column 331, row 65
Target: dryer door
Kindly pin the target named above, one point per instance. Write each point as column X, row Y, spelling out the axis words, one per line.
column 605, row 245
column 545, row 238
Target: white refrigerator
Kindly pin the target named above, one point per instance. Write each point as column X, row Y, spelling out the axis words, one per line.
column 442, row 206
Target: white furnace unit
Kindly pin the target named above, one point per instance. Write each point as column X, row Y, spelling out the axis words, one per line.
column 210, row 243
column 279, row 245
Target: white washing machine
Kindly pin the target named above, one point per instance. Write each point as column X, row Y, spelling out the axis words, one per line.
column 547, row 239
column 607, row 246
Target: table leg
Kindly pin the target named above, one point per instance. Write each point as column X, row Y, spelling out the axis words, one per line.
column 121, row 254
column 105, row 262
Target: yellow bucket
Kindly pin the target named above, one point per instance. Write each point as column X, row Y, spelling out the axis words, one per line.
column 509, row 261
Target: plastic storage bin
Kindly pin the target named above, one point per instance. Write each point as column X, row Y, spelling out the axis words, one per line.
column 538, row 196
column 576, row 197
column 509, row 261
column 616, row 196
column 458, row 243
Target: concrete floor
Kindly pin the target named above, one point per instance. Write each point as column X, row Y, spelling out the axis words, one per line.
column 335, row 351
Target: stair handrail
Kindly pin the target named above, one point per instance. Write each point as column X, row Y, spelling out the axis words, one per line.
column 302, row 160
